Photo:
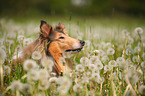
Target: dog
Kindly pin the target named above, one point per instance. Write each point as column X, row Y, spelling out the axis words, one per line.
column 56, row 42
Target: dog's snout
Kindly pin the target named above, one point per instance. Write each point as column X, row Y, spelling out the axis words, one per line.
column 82, row 42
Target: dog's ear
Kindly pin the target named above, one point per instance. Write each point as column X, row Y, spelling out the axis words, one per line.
column 60, row 27
column 45, row 28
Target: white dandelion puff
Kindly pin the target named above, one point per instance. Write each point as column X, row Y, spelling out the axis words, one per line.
column 136, row 59
column 120, row 59
column 93, row 59
column 16, row 85
column 80, row 68
column 20, row 38
column 138, row 30
column 43, row 74
column 141, row 89
column 33, row 75
column 47, row 62
column 29, row 65
column 96, row 52
column 99, row 65
column 53, row 80
column 107, row 68
column 36, row 55
column 7, row 69
column 112, row 63
column 110, row 51
column 3, row 55
column 137, row 49
column 84, row 60
column 77, row 87
column 143, row 64
column 105, row 58
column 92, row 67
column 43, row 84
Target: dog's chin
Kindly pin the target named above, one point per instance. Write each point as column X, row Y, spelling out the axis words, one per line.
column 74, row 50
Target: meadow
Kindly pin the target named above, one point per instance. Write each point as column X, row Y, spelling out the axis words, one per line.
column 112, row 63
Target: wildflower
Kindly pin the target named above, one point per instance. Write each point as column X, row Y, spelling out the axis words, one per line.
column 47, row 63
column 2, row 55
column 53, row 80
column 105, row 58
column 85, row 80
column 43, row 74
column 89, row 75
column 130, row 40
column 16, row 85
column 20, row 38
column 43, row 84
column 93, row 59
column 96, row 52
column 120, row 59
column 123, row 64
column 29, row 64
column 77, row 87
column 137, row 49
column 125, row 33
column 138, row 30
column 107, row 68
column 63, row 81
column 141, row 89
column 80, row 68
column 107, row 46
column 112, row 63
column 110, row 51
column 99, row 65
column 84, row 60
column 7, row 69
column 101, row 53
column 27, row 41
column 132, row 76
column 92, row 67
column 128, row 51
column 33, row 75
column 143, row 64
column 36, row 55
column 100, row 80
column 96, row 76
column 136, row 59
column 25, row 89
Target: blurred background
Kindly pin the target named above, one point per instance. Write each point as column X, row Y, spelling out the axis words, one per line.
column 134, row 8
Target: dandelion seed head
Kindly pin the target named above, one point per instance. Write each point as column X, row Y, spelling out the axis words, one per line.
column 93, row 59
column 107, row 68
column 84, row 60
column 141, row 89
column 25, row 89
column 33, row 75
column 138, row 30
column 16, row 85
column 130, row 40
column 99, row 65
column 27, row 41
column 105, row 58
column 110, row 51
column 20, row 38
column 96, row 52
column 3, row 55
column 92, row 67
column 136, row 59
column 29, row 65
column 7, row 69
column 47, row 62
column 36, row 55
column 137, row 49
column 53, row 80
column 120, row 59
column 143, row 64
column 112, row 63
column 43, row 74
column 80, row 68
column 77, row 87
column 43, row 84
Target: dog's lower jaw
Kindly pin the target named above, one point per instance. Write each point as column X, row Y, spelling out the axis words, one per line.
column 56, row 54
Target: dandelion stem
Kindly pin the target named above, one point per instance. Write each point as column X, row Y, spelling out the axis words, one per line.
column 126, row 90
column 1, row 71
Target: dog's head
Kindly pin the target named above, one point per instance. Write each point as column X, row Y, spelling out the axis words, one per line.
column 61, row 39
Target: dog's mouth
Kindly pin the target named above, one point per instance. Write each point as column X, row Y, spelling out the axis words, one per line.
column 74, row 50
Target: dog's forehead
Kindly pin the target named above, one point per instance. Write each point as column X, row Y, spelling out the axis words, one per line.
column 59, row 33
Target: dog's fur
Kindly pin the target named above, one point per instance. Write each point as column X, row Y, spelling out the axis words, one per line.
column 55, row 41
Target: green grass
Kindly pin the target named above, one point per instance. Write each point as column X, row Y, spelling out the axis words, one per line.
column 100, row 34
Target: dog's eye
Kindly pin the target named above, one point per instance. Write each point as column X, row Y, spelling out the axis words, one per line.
column 61, row 37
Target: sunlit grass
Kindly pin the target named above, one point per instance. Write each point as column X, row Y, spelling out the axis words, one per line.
column 111, row 63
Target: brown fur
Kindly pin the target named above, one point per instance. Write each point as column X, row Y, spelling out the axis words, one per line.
column 58, row 42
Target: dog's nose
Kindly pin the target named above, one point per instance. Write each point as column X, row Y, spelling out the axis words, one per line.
column 82, row 42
